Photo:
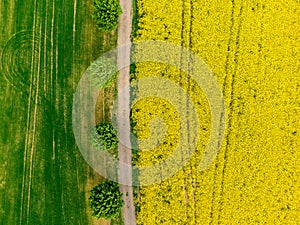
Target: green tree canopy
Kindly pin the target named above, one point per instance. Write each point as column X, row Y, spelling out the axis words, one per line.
column 106, row 14
column 106, row 200
column 105, row 136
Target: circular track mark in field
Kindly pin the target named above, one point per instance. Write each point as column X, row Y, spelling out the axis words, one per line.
column 19, row 59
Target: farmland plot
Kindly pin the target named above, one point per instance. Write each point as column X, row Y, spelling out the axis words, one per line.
column 45, row 46
column 252, row 47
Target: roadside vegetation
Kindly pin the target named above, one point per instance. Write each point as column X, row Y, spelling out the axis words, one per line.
column 106, row 200
column 106, row 14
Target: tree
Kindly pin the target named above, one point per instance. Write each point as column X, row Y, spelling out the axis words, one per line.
column 106, row 14
column 106, row 200
column 105, row 137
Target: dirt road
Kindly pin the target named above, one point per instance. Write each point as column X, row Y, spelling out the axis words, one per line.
column 124, row 148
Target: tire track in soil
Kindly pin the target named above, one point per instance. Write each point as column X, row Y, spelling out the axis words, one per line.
column 193, row 180
column 16, row 64
column 31, row 160
column 231, row 85
column 73, row 85
column 28, row 126
column 184, row 181
column 230, row 40
column 36, row 94
column 12, row 69
column 27, row 139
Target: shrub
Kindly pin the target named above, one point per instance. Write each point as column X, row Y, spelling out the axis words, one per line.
column 106, row 200
column 105, row 137
column 106, row 14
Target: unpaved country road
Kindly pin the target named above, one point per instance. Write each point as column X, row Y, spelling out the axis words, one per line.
column 124, row 148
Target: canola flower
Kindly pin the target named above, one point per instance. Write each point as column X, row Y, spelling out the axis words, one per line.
column 253, row 49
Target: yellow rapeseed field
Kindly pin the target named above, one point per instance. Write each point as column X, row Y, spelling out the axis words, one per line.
column 253, row 49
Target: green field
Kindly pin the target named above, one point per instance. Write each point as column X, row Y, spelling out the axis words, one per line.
column 45, row 46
